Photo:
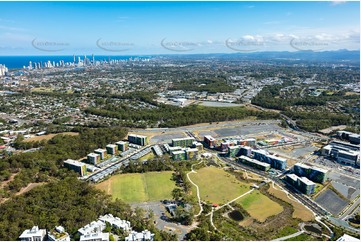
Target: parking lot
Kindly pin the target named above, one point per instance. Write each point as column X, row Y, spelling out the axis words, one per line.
column 162, row 222
column 166, row 138
column 331, row 202
column 247, row 129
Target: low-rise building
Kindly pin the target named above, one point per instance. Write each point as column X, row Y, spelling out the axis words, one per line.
column 145, row 235
column 58, row 234
column 76, row 166
column 99, row 236
column 348, row 238
column 33, row 234
column 93, row 227
column 116, row 222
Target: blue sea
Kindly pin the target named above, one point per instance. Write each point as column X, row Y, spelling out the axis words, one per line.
column 15, row 62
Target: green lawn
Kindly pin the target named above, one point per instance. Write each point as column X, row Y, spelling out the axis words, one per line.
column 259, row 206
column 217, row 186
column 137, row 187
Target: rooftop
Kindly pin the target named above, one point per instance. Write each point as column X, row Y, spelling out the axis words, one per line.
column 306, row 181
column 34, row 231
column 73, row 162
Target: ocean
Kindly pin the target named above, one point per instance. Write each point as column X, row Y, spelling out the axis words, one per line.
column 16, row 62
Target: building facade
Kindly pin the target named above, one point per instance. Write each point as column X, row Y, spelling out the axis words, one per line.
column 138, row 139
column 315, row 174
column 76, row 166
column 183, row 142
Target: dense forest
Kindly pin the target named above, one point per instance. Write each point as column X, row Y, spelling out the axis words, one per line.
column 46, row 163
column 211, row 85
column 70, row 203
column 171, row 116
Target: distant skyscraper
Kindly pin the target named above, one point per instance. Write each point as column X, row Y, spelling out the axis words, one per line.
column 74, row 59
column 93, row 59
column 84, row 60
column 30, row 65
column 79, row 60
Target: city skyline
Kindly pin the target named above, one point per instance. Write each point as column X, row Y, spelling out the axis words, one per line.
column 137, row 28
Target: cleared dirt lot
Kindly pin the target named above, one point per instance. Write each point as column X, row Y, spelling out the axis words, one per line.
column 48, row 136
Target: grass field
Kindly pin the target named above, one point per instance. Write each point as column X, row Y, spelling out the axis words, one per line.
column 217, row 186
column 48, row 136
column 300, row 211
column 259, row 206
column 139, row 187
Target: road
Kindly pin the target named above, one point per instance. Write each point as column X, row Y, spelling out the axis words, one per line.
column 115, row 163
column 290, row 236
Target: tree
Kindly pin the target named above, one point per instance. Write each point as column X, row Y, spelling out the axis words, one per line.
column 177, row 193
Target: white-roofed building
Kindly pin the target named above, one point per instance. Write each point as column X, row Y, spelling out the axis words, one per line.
column 58, row 234
column 95, row 237
column 145, row 235
column 348, row 238
column 93, row 227
column 116, row 222
column 33, row 234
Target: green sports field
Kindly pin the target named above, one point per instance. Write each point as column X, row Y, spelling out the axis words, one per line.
column 259, row 206
column 139, row 187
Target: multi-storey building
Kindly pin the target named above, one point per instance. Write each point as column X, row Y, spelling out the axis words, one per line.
column 210, row 141
column 76, row 166
column 93, row 158
column 275, row 162
column 122, row 145
column 233, row 151
column 254, row 163
column 342, row 153
column 301, row 183
column 138, row 139
column 183, row 142
column 245, row 150
column 315, row 174
column 112, row 149
column 191, row 153
column 178, row 155
column 101, row 152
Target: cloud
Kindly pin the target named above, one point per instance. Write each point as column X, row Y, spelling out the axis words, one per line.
column 250, row 6
column 10, row 28
column 271, row 22
column 337, row 2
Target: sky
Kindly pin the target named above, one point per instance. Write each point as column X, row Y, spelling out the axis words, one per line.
column 129, row 28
